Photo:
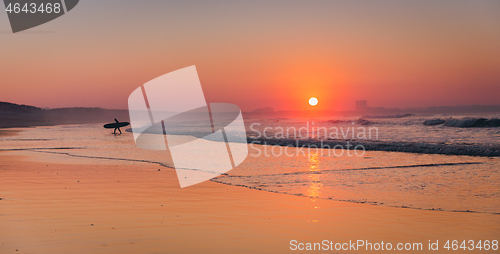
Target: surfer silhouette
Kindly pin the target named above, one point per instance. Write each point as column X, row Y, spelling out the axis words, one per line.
column 114, row 132
column 116, row 125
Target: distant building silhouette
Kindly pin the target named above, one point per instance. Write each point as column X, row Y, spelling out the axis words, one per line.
column 361, row 105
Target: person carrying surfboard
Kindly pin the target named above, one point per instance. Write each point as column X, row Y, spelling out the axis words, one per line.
column 114, row 132
column 116, row 125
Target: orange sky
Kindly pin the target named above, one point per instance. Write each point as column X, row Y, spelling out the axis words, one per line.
column 261, row 54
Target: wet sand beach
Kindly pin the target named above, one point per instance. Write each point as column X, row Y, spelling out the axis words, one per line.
column 109, row 208
column 8, row 132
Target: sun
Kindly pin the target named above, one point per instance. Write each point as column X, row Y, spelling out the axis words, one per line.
column 313, row 101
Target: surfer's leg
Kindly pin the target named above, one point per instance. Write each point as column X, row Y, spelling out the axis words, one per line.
column 120, row 130
column 114, row 132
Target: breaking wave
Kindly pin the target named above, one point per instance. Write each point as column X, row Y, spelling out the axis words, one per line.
column 468, row 122
column 388, row 116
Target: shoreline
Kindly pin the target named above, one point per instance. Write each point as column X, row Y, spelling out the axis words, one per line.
column 299, row 173
column 82, row 159
column 356, row 201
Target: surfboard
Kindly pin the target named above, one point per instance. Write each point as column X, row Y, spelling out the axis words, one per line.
column 116, row 125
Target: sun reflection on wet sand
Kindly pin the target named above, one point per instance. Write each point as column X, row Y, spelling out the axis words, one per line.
column 315, row 186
